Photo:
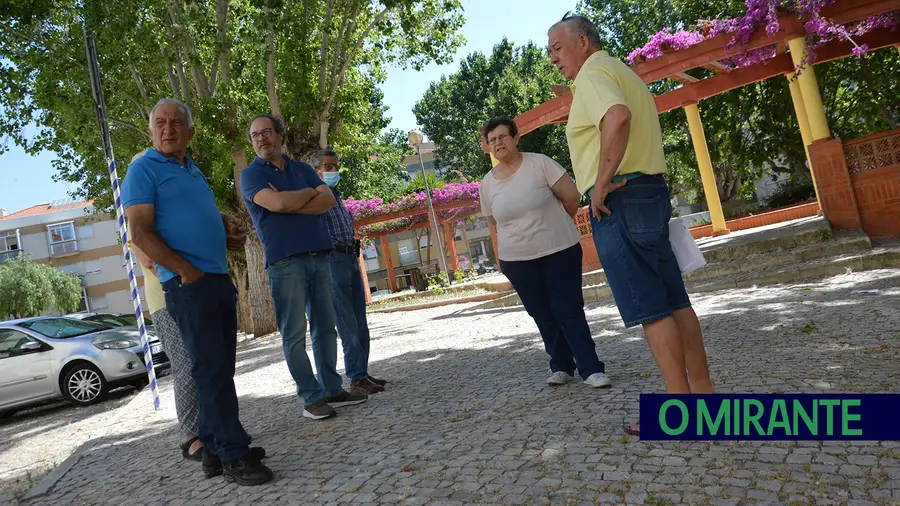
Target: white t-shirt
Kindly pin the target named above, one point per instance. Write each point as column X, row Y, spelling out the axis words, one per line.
column 531, row 221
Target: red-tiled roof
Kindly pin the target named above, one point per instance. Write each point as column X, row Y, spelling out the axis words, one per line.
column 44, row 209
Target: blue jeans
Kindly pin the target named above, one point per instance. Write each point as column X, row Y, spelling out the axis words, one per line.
column 206, row 314
column 350, row 310
column 550, row 289
column 302, row 284
column 633, row 247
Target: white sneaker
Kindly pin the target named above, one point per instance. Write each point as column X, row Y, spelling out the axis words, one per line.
column 597, row 380
column 559, row 378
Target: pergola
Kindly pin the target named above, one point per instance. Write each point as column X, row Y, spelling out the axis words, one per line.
column 790, row 51
column 465, row 209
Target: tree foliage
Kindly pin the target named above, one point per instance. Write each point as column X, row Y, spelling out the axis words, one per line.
column 31, row 289
column 509, row 82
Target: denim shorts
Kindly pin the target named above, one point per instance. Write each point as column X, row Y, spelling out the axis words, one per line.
column 633, row 247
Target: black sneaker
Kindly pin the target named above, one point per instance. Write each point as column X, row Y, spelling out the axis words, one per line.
column 212, row 465
column 318, row 411
column 247, row 472
column 346, row 399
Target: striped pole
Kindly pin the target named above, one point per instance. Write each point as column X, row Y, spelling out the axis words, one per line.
column 100, row 109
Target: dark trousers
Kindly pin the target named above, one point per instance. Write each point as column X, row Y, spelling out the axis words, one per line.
column 206, row 314
column 550, row 289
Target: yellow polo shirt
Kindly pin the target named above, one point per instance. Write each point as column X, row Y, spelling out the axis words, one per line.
column 156, row 298
column 601, row 83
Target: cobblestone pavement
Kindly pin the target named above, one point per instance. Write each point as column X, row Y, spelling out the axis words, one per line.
column 467, row 417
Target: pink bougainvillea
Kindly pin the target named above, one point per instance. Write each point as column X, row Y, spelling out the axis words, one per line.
column 819, row 31
column 464, row 193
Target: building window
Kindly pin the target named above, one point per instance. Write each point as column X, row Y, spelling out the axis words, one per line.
column 86, row 232
column 62, row 239
column 409, row 254
column 9, row 245
column 98, row 302
column 91, row 267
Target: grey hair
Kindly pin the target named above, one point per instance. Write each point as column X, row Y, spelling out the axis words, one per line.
column 177, row 103
column 580, row 25
column 277, row 124
column 316, row 159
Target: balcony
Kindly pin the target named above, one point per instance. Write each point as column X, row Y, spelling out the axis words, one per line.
column 6, row 255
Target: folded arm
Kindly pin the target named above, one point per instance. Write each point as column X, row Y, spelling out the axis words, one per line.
column 305, row 201
column 566, row 192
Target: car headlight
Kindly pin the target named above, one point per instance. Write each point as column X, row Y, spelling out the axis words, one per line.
column 113, row 344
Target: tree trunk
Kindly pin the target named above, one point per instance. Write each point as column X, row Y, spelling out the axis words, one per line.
column 260, row 307
column 237, row 265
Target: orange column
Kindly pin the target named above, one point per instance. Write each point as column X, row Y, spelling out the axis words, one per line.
column 450, row 234
column 389, row 264
column 365, row 276
column 493, row 229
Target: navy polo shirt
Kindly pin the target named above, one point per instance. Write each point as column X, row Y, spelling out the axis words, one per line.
column 185, row 213
column 284, row 235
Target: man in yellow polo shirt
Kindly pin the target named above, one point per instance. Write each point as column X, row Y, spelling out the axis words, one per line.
column 621, row 170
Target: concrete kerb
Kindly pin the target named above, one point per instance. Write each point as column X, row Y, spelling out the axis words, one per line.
column 50, row 480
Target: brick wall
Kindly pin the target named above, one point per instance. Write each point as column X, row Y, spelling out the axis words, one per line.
column 835, row 188
column 873, row 165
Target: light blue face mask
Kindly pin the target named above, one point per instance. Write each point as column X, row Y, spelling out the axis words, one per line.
column 331, row 178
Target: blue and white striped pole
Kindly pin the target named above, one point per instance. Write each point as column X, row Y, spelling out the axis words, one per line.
column 100, row 109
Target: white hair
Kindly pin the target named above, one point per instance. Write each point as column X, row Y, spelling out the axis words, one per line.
column 177, row 103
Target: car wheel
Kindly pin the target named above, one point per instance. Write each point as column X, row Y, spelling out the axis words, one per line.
column 84, row 385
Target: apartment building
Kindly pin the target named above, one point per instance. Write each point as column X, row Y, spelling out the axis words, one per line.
column 74, row 238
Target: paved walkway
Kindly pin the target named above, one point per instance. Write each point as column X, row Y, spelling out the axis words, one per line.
column 468, row 418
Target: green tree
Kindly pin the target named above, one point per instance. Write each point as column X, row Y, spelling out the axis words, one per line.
column 316, row 63
column 509, row 82
column 31, row 289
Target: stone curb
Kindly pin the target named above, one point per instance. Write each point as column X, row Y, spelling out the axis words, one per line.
column 48, row 482
column 429, row 305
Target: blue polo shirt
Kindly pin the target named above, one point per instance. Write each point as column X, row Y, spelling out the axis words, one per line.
column 284, row 235
column 185, row 213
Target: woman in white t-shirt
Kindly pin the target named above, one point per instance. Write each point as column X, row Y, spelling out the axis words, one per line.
column 532, row 201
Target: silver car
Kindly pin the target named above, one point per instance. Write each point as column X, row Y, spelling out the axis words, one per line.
column 48, row 358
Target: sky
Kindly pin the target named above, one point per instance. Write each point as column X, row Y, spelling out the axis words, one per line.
column 27, row 180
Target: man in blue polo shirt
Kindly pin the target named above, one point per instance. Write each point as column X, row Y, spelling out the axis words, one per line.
column 172, row 218
column 286, row 200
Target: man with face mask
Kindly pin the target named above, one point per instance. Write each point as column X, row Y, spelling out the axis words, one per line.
column 349, row 295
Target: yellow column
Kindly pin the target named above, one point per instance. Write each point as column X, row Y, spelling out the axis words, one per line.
column 803, row 121
column 706, row 171
column 809, row 88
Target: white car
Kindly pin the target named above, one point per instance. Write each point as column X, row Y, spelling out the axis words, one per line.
column 48, row 358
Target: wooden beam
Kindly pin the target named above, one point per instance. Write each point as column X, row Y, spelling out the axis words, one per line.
column 450, row 235
column 388, row 263
column 365, row 276
column 875, row 39
column 493, row 230
column 695, row 92
column 714, row 49
column 685, row 78
column 424, row 224
column 544, row 114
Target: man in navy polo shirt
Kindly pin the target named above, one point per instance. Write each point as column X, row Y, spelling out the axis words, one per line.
column 172, row 218
column 286, row 200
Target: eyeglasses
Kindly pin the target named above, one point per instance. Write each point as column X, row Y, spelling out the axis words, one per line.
column 330, row 166
column 262, row 134
column 499, row 139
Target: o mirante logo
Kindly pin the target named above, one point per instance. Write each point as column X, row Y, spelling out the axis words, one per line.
column 869, row 417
